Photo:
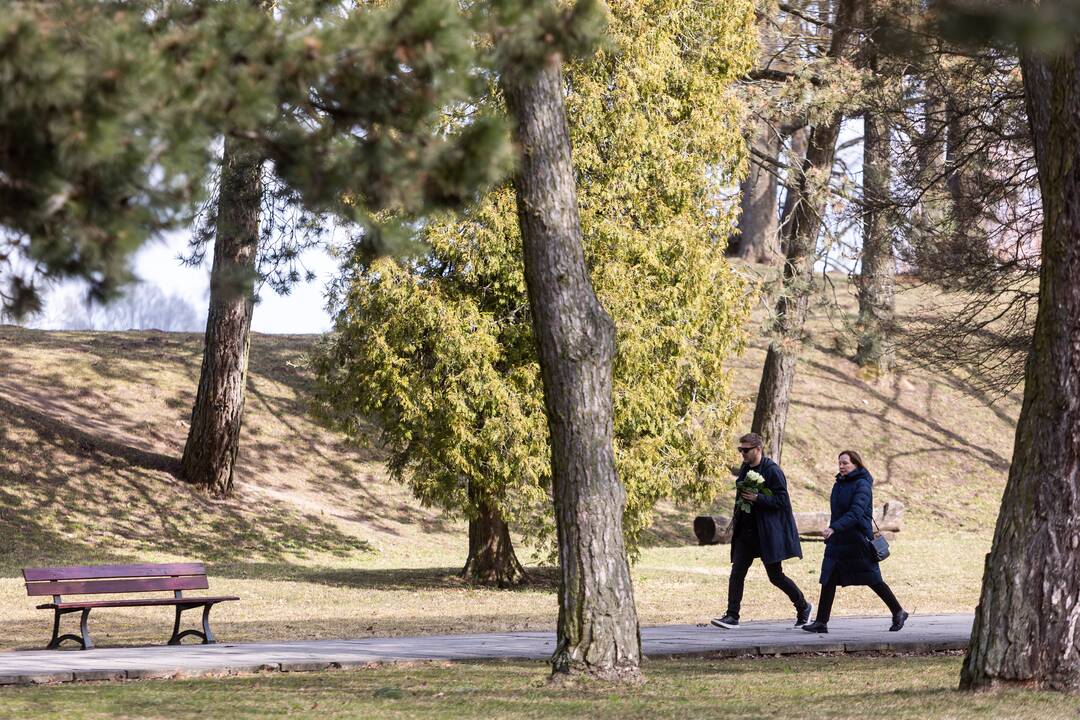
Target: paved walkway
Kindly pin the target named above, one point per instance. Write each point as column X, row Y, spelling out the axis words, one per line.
column 923, row 633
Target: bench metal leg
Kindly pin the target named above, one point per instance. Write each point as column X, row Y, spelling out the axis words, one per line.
column 206, row 635
column 85, row 642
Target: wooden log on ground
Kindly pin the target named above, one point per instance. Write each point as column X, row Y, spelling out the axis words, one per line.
column 716, row 529
column 811, row 524
column 889, row 517
column 712, row 529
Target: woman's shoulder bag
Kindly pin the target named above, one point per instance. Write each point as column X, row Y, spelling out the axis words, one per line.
column 878, row 548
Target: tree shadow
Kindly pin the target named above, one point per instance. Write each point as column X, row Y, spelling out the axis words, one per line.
column 72, row 497
column 673, row 525
column 53, row 431
column 923, row 426
column 105, row 415
column 408, row 579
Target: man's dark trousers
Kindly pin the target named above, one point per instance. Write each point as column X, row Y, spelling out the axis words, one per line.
column 744, row 549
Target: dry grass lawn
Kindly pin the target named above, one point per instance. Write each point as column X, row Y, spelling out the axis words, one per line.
column 319, row 543
column 839, row 688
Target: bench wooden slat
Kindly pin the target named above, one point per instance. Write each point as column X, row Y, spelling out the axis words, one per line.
column 138, row 602
column 98, row 587
column 122, row 579
column 91, row 572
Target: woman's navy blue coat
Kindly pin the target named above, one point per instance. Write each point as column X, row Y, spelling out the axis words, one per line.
column 778, row 538
column 847, row 561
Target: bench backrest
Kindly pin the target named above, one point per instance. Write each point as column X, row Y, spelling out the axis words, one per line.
column 99, row 579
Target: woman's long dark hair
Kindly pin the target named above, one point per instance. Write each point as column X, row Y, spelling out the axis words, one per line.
column 856, row 459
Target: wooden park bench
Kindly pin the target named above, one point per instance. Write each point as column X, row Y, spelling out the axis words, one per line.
column 119, row 580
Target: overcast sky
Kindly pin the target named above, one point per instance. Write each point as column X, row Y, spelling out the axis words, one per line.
column 302, row 311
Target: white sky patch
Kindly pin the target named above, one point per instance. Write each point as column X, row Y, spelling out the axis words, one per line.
column 301, row 311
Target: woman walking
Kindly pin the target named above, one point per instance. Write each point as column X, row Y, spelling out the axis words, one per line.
column 848, row 560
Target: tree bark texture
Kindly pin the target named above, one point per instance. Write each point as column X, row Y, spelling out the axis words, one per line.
column 936, row 201
column 803, row 210
column 877, row 275
column 492, row 560
column 962, row 164
column 214, row 435
column 597, row 627
column 758, row 238
column 1027, row 624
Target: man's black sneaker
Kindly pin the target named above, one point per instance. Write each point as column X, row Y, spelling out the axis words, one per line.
column 728, row 622
column 898, row 620
column 803, row 616
column 816, row 627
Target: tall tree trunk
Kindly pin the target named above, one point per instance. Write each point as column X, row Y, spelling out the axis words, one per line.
column 214, row 436
column 877, row 276
column 963, row 164
column 492, row 560
column 803, row 211
column 598, row 627
column 931, row 154
column 758, row 238
column 794, row 158
column 1027, row 624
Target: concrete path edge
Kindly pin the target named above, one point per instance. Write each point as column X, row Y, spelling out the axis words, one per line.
column 923, row 635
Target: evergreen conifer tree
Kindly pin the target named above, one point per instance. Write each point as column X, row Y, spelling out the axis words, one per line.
column 441, row 349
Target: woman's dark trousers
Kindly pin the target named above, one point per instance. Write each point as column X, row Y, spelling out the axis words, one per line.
column 744, row 554
column 828, row 595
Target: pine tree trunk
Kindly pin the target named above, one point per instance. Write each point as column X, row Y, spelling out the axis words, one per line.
column 803, row 210
column 758, row 238
column 214, row 436
column 492, row 560
column 877, row 277
column 962, row 165
column 597, row 627
column 1027, row 624
column 931, row 153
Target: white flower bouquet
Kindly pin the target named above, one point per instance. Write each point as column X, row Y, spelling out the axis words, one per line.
column 753, row 482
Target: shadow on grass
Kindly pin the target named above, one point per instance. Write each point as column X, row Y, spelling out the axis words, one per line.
column 417, row 579
column 87, row 476
column 152, row 627
column 72, row 497
column 673, row 526
column 54, row 431
column 940, row 437
column 136, row 416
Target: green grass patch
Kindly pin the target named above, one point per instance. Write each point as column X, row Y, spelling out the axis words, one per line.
column 822, row 687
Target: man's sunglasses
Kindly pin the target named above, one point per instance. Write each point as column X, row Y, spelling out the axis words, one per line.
column 745, row 450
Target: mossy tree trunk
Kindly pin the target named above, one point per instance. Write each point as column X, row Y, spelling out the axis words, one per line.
column 597, row 632
column 214, row 436
column 1027, row 624
column 803, row 210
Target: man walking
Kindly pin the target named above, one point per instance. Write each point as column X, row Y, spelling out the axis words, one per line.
column 767, row 532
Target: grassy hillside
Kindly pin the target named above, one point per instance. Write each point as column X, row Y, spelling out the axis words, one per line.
column 930, row 439
column 320, row 544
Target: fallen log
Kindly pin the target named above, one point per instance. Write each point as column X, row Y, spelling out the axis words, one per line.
column 712, row 529
column 717, row 529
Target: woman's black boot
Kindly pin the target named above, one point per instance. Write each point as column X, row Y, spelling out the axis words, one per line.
column 898, row 620
column 816, row 627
